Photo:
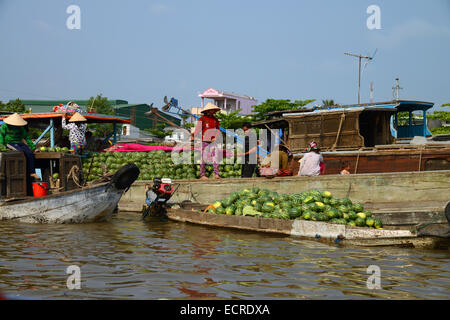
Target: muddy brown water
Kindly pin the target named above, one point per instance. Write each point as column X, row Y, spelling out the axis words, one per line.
column 126, row 258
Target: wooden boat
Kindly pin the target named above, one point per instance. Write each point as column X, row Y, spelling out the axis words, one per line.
column 368, row 137
column 88, row 204
column 69, row 201
column 319, row 231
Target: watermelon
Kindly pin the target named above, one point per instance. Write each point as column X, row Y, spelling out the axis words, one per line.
column 378, row 224
column 308, row 199
column 285, row 204
column 370, row 222
column 320, row 206
column 307, row 215
column 360, row 222
column 294, row 213
column 357, row 207
column 361, row 215
column 230, row 210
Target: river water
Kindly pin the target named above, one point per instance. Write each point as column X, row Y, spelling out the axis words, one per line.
column 126, row 258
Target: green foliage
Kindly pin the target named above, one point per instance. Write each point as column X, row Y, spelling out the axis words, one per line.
column 403, row 118
column 100, row 105
column 440, row 130
column 440, row 115
column 14, row 106
column 232, row 120
column 270, row 105
column 329, row 103
column 443, row 116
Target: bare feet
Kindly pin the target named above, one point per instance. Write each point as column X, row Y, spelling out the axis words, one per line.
column 204, row 178
column 216, row 177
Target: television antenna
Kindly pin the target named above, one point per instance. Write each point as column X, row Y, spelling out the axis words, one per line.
column 360, row 57
column 371, row 92
column 396, row 90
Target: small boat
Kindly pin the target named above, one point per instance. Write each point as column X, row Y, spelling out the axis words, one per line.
column 319, row 231
column 92, row 203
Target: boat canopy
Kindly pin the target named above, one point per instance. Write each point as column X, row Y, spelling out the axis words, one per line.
column 51, row 120
column 408, row 126
column 335, row 128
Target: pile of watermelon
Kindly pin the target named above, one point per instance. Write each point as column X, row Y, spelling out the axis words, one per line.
column 153, row 164
column 54, row 149
column 311, row 205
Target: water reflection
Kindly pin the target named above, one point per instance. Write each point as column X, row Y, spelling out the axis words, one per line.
column 127, row 258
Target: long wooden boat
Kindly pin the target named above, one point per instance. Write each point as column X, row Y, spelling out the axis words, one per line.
column 93, row 203
column 319, row 231
column 368, row 137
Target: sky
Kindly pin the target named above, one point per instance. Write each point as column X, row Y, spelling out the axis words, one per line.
column 140, row 51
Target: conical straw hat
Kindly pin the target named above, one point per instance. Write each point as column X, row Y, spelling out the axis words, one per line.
column 210, row 106
column 15, row 120
column 77, row 117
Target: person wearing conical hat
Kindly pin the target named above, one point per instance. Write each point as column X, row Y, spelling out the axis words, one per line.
column 77, row 131
column 13, row 135
column 209, row 127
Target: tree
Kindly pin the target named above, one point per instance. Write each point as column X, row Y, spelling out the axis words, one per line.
column 270, row 105
column 232, row 120
column 443, row 116
column 13, row 106
column 329, row 103
column 100, row 105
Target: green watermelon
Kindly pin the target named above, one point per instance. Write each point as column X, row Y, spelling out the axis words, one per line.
column 307, row 215
column 378, row 224
column 360, row 222
column 294, row 212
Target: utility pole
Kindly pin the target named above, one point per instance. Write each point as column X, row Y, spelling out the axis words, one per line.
column 359, row 71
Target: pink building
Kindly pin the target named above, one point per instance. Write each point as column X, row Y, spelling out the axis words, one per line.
column 229, row 101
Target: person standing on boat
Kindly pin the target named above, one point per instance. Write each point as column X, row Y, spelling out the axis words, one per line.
column 209, row 127
column 312, row 162
column 13, row 135
column 249, row 162
column 77, row 135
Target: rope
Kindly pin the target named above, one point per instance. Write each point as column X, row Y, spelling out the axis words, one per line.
column 420, row 227
column 420, row 158
column 339, row 131
column 73, row 173
column 357, row 161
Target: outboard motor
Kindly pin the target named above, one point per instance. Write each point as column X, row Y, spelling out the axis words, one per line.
column 157, row 197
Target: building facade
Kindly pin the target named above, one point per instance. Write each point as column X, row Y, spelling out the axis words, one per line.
column 229, row 101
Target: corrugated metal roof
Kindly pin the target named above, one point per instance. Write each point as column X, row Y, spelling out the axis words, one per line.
column 337, row 110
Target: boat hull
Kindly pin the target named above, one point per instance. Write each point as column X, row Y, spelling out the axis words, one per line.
column 312, row 230
column 91, row 204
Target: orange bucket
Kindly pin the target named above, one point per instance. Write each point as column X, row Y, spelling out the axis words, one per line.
column 40, row 189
